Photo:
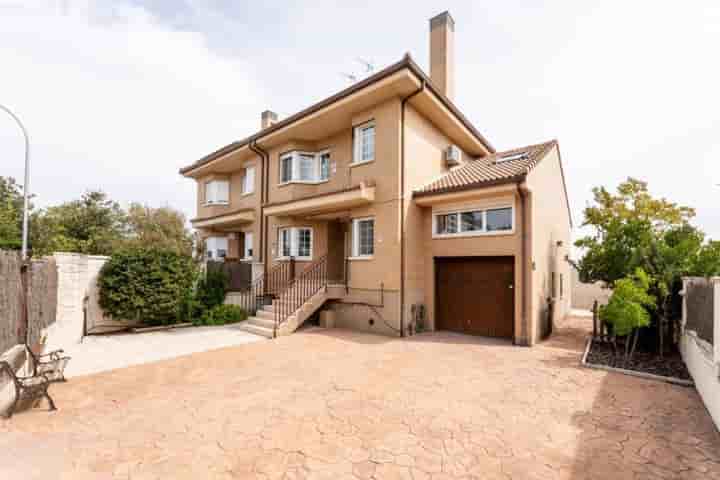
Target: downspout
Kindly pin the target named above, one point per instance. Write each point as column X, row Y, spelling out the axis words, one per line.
column 402, row 203
column 524, row 192
column 264, row 168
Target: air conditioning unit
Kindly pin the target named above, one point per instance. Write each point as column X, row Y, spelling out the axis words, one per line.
column 452, row 156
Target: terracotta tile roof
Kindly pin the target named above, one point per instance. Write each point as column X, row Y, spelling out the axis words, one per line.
column 490, row 170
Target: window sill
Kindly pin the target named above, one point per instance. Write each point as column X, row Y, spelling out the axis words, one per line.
column 297, row 259
column 473, row 234
column 216, row 204
column 245, row 194
column 361, row 258
column 364, row 162
column 303, row 182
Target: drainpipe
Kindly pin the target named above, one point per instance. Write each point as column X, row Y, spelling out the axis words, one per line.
column 264, row 173
column 402, row 204
column 525, row 193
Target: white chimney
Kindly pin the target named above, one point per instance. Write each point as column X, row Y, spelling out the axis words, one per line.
column 267, row 118
column 442, row 53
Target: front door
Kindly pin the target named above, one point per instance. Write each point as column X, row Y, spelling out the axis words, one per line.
column 336, row 251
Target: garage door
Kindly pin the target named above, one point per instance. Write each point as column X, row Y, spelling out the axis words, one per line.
column 475, row 295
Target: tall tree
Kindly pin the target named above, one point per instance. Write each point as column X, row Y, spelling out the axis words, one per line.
column 11, row 211
column 162, row 228
column 94, row 224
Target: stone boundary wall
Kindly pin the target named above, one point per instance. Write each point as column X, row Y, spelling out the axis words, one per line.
column 584, row 294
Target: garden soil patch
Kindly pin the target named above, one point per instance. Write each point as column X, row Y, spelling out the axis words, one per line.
column 671, row 365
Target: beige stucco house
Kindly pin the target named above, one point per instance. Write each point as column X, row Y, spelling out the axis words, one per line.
column 384, row 205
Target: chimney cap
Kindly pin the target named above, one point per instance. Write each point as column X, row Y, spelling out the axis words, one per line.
column 441, row 19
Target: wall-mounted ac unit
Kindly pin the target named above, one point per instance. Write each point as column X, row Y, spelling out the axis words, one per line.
column 452, row 156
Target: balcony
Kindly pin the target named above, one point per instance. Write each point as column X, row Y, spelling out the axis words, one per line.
column 324, row 203
column 226, row 221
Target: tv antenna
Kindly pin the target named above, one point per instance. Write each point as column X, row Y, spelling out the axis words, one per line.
column 349, row 76
column 369, row 66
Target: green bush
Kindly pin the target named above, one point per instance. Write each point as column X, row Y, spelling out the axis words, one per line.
column 627, row 308
column 149, row 285
column 211, row 287
column 221, row 315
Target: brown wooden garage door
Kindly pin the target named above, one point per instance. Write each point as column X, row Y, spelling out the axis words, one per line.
column 475, row 295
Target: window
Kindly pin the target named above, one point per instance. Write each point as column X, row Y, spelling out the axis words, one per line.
column 499, row 219
column 247, row 255
column 216, row 248
column 248, row 184
column 562, row 287
column 363, row 237
column 304, row 167
column 217, row 192
column 364, row 143
column 473, row 222
column 324, row 166
column 295, row 242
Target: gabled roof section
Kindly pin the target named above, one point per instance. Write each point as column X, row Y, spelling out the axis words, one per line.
column 502, row 167
column 405, row 63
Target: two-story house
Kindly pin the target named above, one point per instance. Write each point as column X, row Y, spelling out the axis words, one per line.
column 384, row 205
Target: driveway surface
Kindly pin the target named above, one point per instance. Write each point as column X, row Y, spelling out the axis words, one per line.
column 337, row 404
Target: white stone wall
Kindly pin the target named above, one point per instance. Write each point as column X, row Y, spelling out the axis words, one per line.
column 584, row 294
column 703, row 359
column 77, row 295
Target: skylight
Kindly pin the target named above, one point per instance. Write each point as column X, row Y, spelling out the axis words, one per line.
column 512, row 156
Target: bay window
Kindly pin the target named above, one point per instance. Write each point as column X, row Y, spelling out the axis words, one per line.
column 364, row 148
column 217, row 192
column 305, row 167
column 248, row 182
column 295, row 242
column 216, row 248
column 363, row 237
column 473, row 222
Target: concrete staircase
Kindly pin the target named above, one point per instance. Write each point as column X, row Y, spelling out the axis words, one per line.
column 263, row 322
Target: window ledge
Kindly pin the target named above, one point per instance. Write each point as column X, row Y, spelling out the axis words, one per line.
column 216, row 204
column 303, row 182
column 297, row 259
column 357, row 164
column 472, row 235
column 245, row 194
column 367, row 257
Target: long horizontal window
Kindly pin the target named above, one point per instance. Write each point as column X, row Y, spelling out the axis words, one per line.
column 295, row 242
column 305, row 167
column 473, row 222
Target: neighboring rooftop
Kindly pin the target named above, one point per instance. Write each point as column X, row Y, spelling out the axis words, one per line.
column 501, row 167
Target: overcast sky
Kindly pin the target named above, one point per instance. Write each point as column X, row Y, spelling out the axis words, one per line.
column 117, row 95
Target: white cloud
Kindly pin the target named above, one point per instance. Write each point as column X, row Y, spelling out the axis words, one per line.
column 117, row 102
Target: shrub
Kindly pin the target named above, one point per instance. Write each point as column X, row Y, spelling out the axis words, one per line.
column 149, row 285
column 627, row 307
column 211, row 288
column 221, row 315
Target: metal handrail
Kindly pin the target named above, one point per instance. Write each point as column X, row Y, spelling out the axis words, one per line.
column 280, row 277
column 308, row 283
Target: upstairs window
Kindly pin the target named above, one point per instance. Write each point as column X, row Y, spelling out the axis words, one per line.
column 363, row 237
column 364, row 149
column 248, row 183
column 305, row 167
column 295, row 242
column 473, row 222
column 217, row 192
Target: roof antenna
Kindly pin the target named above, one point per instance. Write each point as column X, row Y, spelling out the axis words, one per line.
column 369, row 66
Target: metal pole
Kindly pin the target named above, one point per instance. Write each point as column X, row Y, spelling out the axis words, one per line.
column 26, row 185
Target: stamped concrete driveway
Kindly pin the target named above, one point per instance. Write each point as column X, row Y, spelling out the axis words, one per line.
column 336, row 404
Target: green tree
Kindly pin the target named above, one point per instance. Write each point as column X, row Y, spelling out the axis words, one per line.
column 94, row 225
column 631, row 230
column 627, row 308
column 162, row 228
column 11, row 210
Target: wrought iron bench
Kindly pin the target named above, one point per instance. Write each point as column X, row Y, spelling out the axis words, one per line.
column 27, row 388
column 52, row 364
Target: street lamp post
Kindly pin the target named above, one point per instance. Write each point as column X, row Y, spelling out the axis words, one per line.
column 27, row 181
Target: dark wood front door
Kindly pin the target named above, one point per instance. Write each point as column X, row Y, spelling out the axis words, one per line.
column 475, row 295
column 336, row 251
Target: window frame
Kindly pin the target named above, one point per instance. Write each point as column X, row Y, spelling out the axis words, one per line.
column 356, row 254
column 245, row 246
column 357, row 143
column 212, row 253
column 215, row 192
column 245, row 184
column 294, row 238
column 295, row 157
column 484, row 232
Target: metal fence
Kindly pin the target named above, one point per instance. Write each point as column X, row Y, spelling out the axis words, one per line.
column 239, row 274
column 699, row 307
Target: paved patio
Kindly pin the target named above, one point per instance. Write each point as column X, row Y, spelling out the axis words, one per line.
column 337, row 404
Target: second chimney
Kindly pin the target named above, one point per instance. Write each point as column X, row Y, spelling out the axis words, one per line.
column 267, row 118
column 442, row 53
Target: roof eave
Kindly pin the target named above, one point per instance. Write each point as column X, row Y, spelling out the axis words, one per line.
column 473, row 186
